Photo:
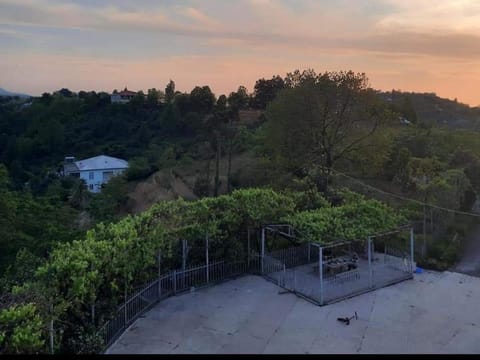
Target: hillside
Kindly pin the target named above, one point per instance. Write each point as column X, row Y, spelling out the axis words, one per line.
column 4, row 92
column 428, row 108
column 179, row 181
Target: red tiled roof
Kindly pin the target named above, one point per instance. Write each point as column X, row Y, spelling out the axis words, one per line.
column 127, row 93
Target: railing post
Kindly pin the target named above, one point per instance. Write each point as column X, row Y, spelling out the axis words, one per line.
column 206, row 257
column 159, row 274
column 294, row 280
column 184, row 260
column 308, row 252
column 320, row 271
column 263, row 247
column 411, row 250
column 248, row 248
column 125, row 314
column 385, row 254
column 370, row 275
column 174, row 282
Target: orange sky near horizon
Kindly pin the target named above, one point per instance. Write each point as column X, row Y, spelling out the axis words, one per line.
column 421, row 46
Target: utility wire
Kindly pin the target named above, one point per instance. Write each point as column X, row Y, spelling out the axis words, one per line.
column 405, row 198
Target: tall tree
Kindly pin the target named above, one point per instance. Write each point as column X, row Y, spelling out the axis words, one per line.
column 202, row 99
column 170, row 92
column 153, row 96
column 266, row 90
column 313, row 125
column 238, row 100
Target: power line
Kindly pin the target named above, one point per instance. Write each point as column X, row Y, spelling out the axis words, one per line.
column 406, row 198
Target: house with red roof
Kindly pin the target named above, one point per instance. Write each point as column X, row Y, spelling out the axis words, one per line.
column 123, row 96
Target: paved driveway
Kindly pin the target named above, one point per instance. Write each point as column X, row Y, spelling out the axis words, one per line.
column 434, row 313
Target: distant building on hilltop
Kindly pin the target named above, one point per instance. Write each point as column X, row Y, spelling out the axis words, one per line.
column 94, row 171
column 123, row 96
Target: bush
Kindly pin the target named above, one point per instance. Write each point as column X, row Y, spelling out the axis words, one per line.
column 139, row 168
column 120, row 256
column 21, row 330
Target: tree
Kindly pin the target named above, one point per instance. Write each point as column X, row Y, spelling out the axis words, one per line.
column 170, row 119
column 266, row 90
column 238, row 100
column 221, row 103
column 297, row 78
column 315, row 124
column 183, row 103
column 64, row 92
column 408, row 110
column 202, row 99
column 153, row 96
column 170, row 92
column 472, row 171
column 138, row 100
column 397, row 168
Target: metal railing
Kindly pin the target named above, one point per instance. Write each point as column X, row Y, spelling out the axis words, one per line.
column 173, row 283
column 292, row 256
column 341, row 278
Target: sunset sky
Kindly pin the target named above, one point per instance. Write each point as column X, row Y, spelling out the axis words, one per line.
column 410, row 45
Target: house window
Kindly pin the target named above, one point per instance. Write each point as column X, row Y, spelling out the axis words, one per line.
column 90, row 175
column 90, row 186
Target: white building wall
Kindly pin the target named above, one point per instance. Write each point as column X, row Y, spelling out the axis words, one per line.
column 94, row 178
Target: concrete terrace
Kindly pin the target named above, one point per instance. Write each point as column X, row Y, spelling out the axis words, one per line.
column 434, row 313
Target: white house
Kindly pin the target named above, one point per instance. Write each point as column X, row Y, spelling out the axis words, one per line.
column 94, row 171
column 123, row 96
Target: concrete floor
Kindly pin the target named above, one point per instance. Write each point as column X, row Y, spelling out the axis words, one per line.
column 434, row 313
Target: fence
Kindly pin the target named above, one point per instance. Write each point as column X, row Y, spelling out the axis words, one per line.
column 166, row 285
column 319, row 273
column 328, row 273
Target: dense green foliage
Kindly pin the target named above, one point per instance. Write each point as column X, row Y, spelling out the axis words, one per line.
column 33, row 223
column 21, row 330
column 117, row 257
column 66, row 251
column 351, row 221
column 39, row 207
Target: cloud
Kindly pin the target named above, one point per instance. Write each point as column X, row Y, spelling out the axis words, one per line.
column 219, row 42
column 440, row 15
column 201, row 17
column 272, row 25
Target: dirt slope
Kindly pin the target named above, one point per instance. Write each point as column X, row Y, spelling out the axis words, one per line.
column 170, row 184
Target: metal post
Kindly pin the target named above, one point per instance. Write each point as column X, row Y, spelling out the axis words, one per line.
column 184, row 261
column 248, row 248
column 184, row 254
column 384, row 253
column 159, row 274
column 370, row 279
column 320, row 270
column 411, row 249
column 284, row 274
column 263, row 246
column 308, row 252
column 424, row 247
column 206, row 257
column 294, row 280
column 125, row 306
column 174, row 282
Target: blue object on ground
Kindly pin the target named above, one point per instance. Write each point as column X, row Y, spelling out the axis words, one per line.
column 418, row 270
